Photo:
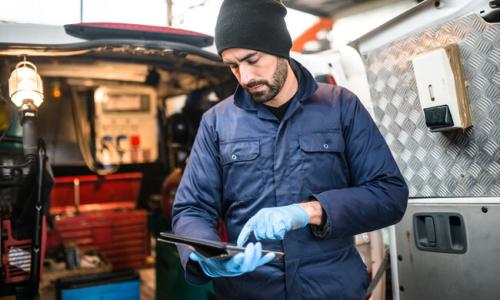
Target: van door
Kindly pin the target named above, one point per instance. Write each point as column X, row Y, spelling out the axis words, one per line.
column 447, row 245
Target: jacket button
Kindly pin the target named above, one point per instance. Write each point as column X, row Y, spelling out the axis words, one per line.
column 325, row 146
column 233, row 157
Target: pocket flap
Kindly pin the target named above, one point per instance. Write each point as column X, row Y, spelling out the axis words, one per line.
column 238, row 151
column 322, row 142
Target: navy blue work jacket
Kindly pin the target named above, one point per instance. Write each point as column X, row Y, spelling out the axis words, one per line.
column 325, row 147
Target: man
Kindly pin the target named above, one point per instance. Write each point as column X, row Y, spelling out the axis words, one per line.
column 290, row 165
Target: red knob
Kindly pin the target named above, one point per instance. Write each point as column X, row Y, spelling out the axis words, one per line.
column 135, row 140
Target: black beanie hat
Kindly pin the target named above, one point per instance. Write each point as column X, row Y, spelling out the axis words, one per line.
column 253, row 24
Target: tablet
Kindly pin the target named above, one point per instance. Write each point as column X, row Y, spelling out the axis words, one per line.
column 207, row 248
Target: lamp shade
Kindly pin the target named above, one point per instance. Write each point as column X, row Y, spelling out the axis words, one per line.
column 25, row 85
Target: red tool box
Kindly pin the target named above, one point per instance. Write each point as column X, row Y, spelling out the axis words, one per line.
column 98, row 213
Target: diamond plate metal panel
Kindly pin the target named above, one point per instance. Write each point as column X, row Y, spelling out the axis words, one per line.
column 450, row 164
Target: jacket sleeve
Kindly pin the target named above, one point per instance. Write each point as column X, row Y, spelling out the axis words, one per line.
column 197, row 205
column 377, row 195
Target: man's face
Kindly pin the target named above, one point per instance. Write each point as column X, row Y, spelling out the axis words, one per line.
column 261, row 74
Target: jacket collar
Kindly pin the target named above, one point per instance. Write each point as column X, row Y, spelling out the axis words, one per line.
column 307, row 87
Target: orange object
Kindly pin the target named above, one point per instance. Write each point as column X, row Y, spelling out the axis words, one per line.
column 311, row 32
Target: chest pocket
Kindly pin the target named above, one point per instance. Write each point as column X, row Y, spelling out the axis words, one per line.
column 242, row 173
column 323, row 162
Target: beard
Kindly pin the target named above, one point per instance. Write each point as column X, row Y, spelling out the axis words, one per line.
column 274, row 87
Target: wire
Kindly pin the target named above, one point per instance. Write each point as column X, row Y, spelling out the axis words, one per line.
column 182, row 16
column 83, row 141
column 26, row 163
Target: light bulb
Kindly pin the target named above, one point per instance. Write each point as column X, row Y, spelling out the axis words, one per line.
column 25, row 85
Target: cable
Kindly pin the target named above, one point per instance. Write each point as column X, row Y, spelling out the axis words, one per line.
column 189, row 9
column 83, row 141
column 27, row 162
column 378, row 275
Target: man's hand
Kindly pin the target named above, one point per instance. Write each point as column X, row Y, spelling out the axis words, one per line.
column 236, row 265
column 314, row 211
column 274, row 222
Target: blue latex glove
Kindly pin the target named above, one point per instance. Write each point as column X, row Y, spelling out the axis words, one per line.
column 272, row 223
column 244, row 262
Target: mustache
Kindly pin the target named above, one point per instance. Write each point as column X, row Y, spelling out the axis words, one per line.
column 252, row 84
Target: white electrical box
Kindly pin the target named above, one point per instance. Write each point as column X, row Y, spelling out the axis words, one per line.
column 442, row 89
column 126, row 128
